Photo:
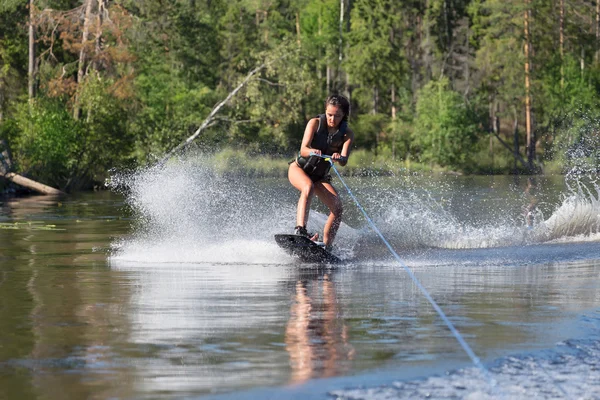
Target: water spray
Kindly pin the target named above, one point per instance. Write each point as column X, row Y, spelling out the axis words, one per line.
column 492, row 382
column 436, row 307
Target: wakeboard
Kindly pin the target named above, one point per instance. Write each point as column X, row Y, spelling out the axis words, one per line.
column 305, row 249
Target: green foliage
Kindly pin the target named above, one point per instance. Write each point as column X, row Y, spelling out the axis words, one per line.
column 490, row 158
column 319, row 38
column 105, row 142
column 274, row 103
column 46, row 147
column 13, row 54
column 398, row 138
column 55, row 148
column 9, row 131
column 369, row 129
column 498, row 37
column 445, row 128
column 167, row 110
column 9, row 5
column 364, row 162
column 376, row 54
column 425, row 79
column 565, row 96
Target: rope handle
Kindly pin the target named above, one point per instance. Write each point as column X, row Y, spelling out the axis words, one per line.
column 327, row 157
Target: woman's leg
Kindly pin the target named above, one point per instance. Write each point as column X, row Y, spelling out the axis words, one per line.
column 329, row 196
column 302, row 182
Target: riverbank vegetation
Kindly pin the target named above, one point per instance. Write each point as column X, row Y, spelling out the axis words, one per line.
column 469, row 86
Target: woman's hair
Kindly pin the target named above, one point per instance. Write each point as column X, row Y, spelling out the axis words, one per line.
column 339, row 101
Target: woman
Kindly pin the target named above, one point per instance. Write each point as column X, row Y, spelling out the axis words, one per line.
column 327, row 134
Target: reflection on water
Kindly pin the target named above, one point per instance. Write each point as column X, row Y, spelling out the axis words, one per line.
column 80, row 320
column 316, row 335
column 54, row 311
column 232, row 327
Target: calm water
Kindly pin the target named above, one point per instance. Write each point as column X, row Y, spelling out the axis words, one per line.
column 176, row 289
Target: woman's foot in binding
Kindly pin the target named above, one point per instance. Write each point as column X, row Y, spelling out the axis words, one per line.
column 301, row 231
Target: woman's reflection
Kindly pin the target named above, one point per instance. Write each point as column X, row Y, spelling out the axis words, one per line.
column 316, row 337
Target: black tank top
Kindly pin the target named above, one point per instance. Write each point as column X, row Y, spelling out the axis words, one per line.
column 328, row 143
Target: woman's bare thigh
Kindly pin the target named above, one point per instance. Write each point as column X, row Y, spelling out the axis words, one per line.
column 298, row 177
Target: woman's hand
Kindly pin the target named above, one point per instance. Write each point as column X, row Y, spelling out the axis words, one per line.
column 338, row 157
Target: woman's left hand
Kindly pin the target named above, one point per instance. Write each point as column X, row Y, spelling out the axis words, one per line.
column 338, row 157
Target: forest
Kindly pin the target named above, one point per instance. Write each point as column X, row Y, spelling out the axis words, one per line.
column 469, row 86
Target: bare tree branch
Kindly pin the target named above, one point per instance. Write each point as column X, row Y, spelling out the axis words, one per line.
column 516, row 155
column 211, row 116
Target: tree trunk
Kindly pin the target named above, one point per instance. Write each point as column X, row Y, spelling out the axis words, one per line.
column 31, row 68
column 530, row 146
column 492, row 150
column 298, row 28
column 393, row 88
column 347, row 90
column 412, row 55
column 561, row 42
column 393, row 95
column 100, row 21
column 82, row 56
column 597, row 31
column 339, row 81
column 320, row 50
column 582, row 62
column 375, row 100
column 448, row 28
column 494, row 120
column 341, row 39
column 467, row 69
column 516, row 140
column 2, row 99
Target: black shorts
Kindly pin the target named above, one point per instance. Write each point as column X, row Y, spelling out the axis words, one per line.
column 323, row 179
column 316, row 168
column 315, row 178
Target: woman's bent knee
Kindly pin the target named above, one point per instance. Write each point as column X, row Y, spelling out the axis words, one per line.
column 308, row 189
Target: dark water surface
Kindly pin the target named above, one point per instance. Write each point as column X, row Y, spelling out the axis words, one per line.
column 179, row 291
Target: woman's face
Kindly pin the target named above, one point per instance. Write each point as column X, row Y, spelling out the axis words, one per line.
column 334, row 115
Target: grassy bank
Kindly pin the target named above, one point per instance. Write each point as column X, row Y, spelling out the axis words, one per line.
column 362, row 162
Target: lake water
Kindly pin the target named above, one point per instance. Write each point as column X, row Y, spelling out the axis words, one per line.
column 174, row 288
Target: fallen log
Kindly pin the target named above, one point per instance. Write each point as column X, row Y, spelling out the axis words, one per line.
column 31, row 184
column 5, row 167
